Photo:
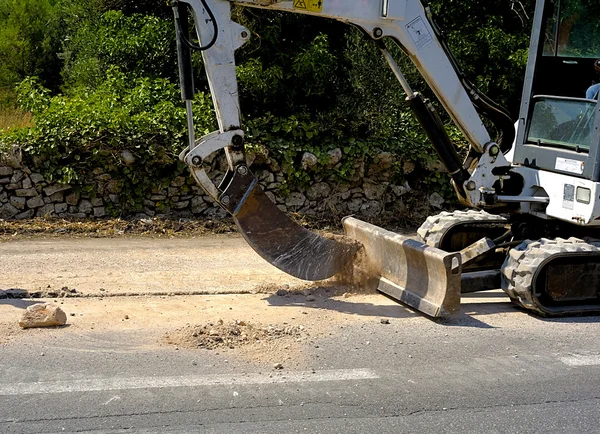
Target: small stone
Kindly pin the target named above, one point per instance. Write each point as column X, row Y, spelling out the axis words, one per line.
column 46, row 210
column 99, row 211
column 36, row 178
column 43, row 315
column 371, row 208
column 25, row 215
column 311, row 298
column 72, row 314
column 18, row 175
column 18, row 202
column 181, row 204
column 318, row 191
column 295, row 200
column 61, row 207
column 436, row 200
column 400, row 190
column 408, row 167
column 14, row 186
column 49, row 191
column 354, row 204
column 309, row 161
column 26, row 192
column 374, row 191
column 72, row 199
column 178, row 182
column 85, row 207
column 127, row 157
column 27, row 183
column 385, row 321
column 126, row 317
column 7, row 211
column 335, row 156
column 6, row 171
column 277, row 366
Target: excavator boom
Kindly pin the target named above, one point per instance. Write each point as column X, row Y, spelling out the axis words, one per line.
column 270, row 232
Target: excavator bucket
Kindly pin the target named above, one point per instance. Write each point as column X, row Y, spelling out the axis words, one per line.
column 423, row 277
column 278, row 239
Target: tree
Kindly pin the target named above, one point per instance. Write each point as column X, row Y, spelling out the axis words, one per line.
column 27, row 47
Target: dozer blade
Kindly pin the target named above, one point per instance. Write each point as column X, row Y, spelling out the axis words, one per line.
column 288, row 246
column 423, row 277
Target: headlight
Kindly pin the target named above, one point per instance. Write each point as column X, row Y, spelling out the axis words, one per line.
column 583, row 195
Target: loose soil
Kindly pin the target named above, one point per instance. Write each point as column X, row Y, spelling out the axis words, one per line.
column 236, row 334
column 263, row 329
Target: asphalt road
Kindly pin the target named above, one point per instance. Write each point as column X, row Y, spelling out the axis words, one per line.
column 493, row 369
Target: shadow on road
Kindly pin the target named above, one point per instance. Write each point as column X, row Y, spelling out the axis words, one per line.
column 324, row 301
column 18, row 303
column 472, row 305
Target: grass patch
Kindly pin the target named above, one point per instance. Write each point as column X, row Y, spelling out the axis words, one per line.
column 11, row 117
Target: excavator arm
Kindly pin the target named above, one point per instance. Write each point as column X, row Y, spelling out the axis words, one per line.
column 269, row 231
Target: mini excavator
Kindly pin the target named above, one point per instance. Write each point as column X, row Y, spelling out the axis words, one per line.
column 532, row 196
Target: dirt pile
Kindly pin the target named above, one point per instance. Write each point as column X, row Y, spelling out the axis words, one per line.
column 231, row 335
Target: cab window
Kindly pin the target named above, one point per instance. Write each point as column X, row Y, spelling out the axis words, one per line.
column 562, row 122
column 573, row 29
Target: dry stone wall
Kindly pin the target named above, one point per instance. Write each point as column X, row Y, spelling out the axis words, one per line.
column 25, row 193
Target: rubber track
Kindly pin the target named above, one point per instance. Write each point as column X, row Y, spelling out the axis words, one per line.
column 434, row 228
column 522, row 262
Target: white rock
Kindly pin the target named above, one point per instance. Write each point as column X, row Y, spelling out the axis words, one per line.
column 43, row 315
column 436, row 200
column 127, row 157
column 335, row 156
column 309, row 161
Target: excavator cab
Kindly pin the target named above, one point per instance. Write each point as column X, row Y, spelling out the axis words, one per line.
column 557, row 130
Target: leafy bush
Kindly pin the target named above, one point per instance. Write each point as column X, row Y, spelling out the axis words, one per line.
column 140, row 45
column 91, row 129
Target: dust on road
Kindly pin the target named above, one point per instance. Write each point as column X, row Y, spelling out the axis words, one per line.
column 137, row 265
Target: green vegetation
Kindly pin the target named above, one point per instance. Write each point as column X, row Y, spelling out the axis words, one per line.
column 100, row 77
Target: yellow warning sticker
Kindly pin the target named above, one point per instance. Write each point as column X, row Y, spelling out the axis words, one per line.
column 309, row 5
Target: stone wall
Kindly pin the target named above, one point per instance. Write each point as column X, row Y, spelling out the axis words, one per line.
column 24, row 193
